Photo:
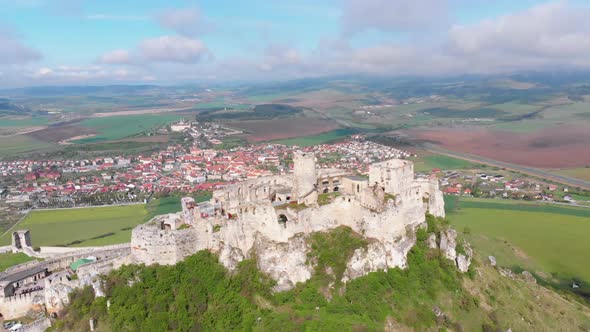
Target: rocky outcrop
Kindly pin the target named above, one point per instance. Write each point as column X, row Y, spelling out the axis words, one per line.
column 230, row 257
column 286, row 263
column 528, row 277
column 448, row 243
column 431, row 241
column 448, row 248
column 56, row 297
column 463, row 263
column 492, row 260
column 379, row 257
column 464, row 260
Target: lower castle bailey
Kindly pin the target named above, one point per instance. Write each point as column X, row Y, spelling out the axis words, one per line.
column 269, row 219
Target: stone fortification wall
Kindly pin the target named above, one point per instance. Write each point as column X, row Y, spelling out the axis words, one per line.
column 432, row 196
column 5, row 249
column 56, row 252
column 41, row 324
column 150, row 244
column 103, row 266
column 232, row 196
column 353, row 186
column 64, row 262
column 395, row 176
column 17, row 306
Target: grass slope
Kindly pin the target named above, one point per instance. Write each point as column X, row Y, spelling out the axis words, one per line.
column 81, row 227
column 550, row 240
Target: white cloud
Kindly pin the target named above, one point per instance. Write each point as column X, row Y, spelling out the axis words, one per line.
column 173, row 49
column 83, row 74
column 13, row 51
column 113, row 17
column 184, row 21
column 44, row 72
column 116, row 57
column 393, row 15
column 549, row 34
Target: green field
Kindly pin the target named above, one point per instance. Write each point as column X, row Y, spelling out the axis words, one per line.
column 20, row 143
column 171, row 204
column 82, row 227
column 117, row 127
column 317, row 139
column 427, row 163
column 9, row 259
column 264, row 98
column 548, row 240
column 23, row 122
column 223, row 104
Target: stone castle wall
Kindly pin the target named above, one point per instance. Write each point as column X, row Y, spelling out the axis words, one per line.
column 395, row 176
column 17, row 306
column 151, row 244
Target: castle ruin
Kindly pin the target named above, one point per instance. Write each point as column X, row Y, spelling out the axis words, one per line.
column 269, row 219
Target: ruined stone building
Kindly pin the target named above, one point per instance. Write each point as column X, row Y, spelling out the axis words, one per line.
column 269, row 218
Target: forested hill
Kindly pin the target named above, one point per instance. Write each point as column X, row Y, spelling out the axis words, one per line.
column 200, row 295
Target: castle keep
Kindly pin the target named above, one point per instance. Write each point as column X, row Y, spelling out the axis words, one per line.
column 269, row 218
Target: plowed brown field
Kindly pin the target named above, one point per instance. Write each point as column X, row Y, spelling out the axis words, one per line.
column 556, row 147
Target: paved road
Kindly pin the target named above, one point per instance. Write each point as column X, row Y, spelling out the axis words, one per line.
column 519, row 168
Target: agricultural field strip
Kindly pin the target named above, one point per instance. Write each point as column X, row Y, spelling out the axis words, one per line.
column 81, row 225
column 518, row 168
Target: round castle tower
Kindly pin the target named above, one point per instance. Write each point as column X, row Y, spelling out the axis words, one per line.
column 305, row 178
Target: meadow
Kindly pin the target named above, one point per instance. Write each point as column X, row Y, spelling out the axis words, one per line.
column 118, row 127
column 22, row 121
column 429, row 162
column 548, row 240
column 317, row 139
column 81, row 227
column 11, row 145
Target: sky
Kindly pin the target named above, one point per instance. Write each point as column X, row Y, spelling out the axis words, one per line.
column 86, row 42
